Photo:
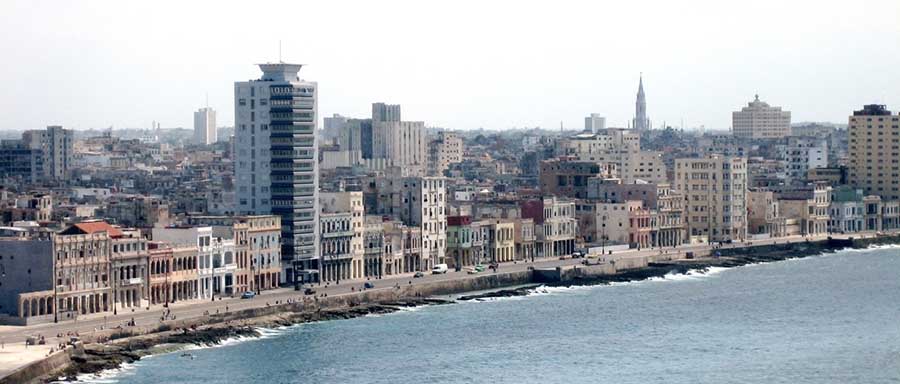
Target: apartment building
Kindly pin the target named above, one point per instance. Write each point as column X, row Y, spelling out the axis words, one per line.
column 342, row 224
column 276, row 161
column 875, row 151
column 715, row 188
column 758, row 120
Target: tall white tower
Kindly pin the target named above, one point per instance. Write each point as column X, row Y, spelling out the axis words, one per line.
column 276, row 167
column 205, row 126
column 641, row 122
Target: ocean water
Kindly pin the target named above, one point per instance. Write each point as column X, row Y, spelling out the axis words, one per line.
column 824, row 319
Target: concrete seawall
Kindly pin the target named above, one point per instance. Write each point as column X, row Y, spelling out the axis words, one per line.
column 42, row 368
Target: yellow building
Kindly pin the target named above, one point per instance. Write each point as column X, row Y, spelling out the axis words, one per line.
column 875, row 151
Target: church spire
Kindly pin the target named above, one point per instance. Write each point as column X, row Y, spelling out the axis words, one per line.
column 641, row 122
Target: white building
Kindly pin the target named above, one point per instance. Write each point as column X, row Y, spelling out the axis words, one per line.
column 276, row 161
column 620, row 148
column 760, row 121
column 200, row 238
column 424, row 204
column 205, row 126
column 800, row 154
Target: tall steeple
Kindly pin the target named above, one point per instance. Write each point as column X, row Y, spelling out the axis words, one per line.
column 641, row 122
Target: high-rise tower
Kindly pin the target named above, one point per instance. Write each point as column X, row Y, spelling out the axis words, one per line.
column 276, row 167
column 205, row 126
column 641, row 122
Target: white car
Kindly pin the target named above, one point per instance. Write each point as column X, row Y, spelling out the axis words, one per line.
column 440, row 268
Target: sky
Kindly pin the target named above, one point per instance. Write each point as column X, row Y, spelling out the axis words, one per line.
column 453, row 64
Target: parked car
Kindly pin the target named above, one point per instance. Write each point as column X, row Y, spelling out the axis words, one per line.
column 369, row 285
column 248, row 295
column 418, row 275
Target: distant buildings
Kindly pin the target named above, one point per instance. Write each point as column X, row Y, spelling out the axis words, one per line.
column 760, row 121
column 276, row 162
column 444, row 150
column 594, row 123
column 800, row 154
column 875, row 152
column 19, row 161
column 39, row 155
column 205, row 126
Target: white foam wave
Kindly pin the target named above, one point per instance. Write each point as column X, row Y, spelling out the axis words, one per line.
column 104, row 377
column 411, row 309
column 874, row 247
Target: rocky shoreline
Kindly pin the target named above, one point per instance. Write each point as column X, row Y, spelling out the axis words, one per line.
column 93, row 358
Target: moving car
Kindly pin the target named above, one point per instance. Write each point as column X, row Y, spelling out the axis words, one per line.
column 309, row 291
column 248, row 295
column 440, row 268
column 472, row 271
column 418, row 275
column 369, row 285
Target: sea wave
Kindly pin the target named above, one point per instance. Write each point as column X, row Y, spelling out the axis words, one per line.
column 104, row 377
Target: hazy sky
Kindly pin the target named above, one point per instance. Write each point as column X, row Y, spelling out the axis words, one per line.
column 454, row 64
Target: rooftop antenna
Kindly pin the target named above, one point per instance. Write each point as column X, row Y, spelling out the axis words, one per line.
column 207, row 99
column 279, row 51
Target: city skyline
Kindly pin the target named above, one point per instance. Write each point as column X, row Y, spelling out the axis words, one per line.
column 692, row 74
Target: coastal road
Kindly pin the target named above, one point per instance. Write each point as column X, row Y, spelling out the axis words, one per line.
column 13, row 335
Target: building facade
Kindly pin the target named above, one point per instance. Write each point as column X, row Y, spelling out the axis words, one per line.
column 715, row 190
column 276, row 161
column 205, row 126
column 758, row 120
column 875, row 152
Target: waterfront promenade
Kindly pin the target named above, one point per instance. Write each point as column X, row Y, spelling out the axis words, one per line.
column 13, row 355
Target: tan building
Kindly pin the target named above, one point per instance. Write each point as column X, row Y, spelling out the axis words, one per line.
column 670, row 227
column 160, row 268
column 762, row 212
column 342, row 224
column 184, row 280
column 83, row 281
column 500, row 240
column 257, row 248
column 875, row 152
column 810, row 205
column 565, row 177
column 444, row 150
column 525, row 239
column 758, row 120
column 715, row 188
column 130, row 260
